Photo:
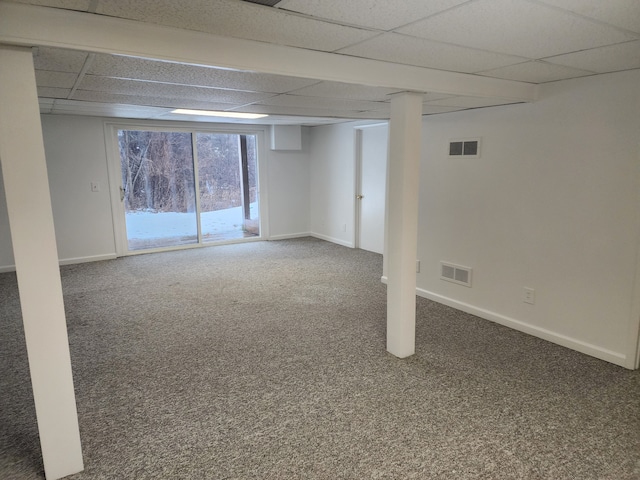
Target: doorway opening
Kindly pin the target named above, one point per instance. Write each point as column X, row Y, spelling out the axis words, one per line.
column 371, row 180
column 181, row 188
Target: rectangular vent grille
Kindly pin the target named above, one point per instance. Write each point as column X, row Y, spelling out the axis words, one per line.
column 468, row 148
column 455, row 273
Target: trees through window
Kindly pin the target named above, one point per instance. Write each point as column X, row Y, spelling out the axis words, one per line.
column 188, row 187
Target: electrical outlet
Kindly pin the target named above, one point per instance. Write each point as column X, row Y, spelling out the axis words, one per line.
column 417, row 266
column 95, row 187
column 529, row 295
column 344, row 227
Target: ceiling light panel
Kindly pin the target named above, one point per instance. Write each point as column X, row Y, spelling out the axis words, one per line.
column 298, row 111
column 143, row 88
column 141, row 69
column 392, row 47
column 535, row 72
column 621, row 13
column 623, row 56
column 380, row 14
column 58, row 59
column 238, row 19
column 222, row 114
column 517, row 28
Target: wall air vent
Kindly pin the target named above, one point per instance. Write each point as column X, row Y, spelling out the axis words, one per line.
column 467, row 148
column 455, row 273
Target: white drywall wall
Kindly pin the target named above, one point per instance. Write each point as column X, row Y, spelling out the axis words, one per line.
column 76, row 156
column 288, row 190
column 552, row 204
column 333, row 182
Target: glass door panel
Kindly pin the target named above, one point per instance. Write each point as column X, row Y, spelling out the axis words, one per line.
column 226, row 173
column 158, row 188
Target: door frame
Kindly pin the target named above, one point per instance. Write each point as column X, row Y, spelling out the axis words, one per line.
column 357, row 185
column 114, row 171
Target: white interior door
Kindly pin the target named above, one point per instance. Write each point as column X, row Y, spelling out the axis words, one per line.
column 373, row 151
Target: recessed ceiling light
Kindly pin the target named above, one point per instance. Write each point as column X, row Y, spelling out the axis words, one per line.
column 210, row 113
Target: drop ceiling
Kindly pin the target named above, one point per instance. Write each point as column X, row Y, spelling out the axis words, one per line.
column 531, row 41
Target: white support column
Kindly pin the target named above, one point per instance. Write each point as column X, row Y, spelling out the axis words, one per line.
column 36, row 258
column 402, row 222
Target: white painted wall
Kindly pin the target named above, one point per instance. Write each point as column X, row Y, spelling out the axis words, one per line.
column 288, row 187
column 76, row 156
column 333, row 183
column 552, row 204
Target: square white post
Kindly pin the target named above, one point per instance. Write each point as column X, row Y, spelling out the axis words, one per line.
column 402, row 222
column 34, row 249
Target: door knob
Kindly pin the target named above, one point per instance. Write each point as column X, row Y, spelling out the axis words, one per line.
column 359, row 197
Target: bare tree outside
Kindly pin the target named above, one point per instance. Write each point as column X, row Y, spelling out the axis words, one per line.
column 158, row 177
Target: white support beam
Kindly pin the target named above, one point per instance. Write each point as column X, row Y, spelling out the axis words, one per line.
column 30, row 25
column 34, row 248
column 402, row 222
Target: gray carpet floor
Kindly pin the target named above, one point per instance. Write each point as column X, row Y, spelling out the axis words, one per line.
column 267, row 361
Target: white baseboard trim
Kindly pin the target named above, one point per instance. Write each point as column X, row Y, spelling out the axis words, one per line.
column 91, row 258
column 68, row 261
column 553, row 337
column 327, row 238
column 543, row 333
column 289, row 235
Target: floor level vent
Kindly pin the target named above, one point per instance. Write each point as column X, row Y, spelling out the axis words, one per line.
column 455, row 273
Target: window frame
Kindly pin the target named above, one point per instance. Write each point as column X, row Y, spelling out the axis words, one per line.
column 111, row 128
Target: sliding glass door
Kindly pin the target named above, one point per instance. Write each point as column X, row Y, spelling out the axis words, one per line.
column 228, row 186
column 181, row 188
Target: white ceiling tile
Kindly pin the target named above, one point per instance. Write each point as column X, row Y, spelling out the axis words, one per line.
column 82, row 5
column 621, row 13
column 53, row 92
column 467, row 102
column 141, row 69
column 105, row 97
column 74, row 107
column 432, row 110
column 392, row 47
column 372, row 115
column 238, row 19
column 623, row 56
column 428, row 97
column 349, row 91
column 58, row 59
column 155, row 89
column 516, row 27
column 381, row 14
column 535, row 72
column 321, row 102
column 47, row 78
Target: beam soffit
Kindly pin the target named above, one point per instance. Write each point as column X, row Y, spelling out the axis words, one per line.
column 29, row 25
